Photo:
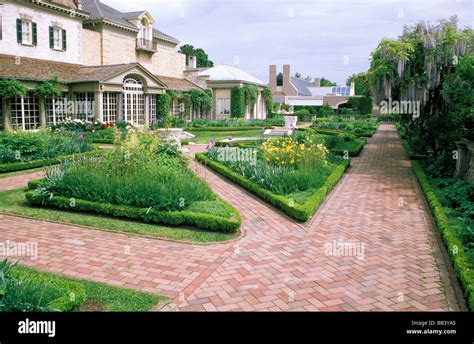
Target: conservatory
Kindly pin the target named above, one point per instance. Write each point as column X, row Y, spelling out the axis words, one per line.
column 107, row 94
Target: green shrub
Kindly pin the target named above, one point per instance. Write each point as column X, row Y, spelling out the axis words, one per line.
column 237, row 108
column 457, row 251
column 17, row 147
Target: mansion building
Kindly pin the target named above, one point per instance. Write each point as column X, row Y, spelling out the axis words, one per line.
column 112, row 65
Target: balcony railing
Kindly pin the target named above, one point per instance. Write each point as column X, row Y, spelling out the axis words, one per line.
column 147, row 45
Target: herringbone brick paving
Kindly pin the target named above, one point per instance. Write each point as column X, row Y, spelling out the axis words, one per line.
column 376, row 213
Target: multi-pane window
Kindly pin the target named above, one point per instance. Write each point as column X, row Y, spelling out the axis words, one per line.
column 133, row 101
column 57, row 38
column 85, row 106
column 56, row 110
column 223, row 106
column 152, row 109
column 178, row 108
column 25, row 112
column 109, row 107
column 26, row 36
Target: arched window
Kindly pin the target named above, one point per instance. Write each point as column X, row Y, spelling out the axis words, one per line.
column 133, row 100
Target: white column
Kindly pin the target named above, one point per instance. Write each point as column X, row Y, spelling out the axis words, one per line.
column 99, row 114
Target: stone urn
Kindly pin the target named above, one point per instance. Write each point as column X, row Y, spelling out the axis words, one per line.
column 291, row 121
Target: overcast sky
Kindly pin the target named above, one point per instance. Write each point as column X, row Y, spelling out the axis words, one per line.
column 318, row 38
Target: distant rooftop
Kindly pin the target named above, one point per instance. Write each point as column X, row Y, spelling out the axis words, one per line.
column 229, row 73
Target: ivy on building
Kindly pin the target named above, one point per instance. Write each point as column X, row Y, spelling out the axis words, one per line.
column 237, row 102
column 10, row 88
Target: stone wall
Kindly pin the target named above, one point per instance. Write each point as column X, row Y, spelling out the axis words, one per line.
column 43, row 19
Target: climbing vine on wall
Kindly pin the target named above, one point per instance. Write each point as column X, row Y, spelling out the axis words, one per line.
column 12, row 88
column 49, row 89
column 268, row 98
column 236, row 102
column 163, row 109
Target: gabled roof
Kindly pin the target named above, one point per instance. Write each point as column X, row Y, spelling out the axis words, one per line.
column 41, row 70
column 302, row 86
column 229, row 73
column 178, row 84
column 101, row 11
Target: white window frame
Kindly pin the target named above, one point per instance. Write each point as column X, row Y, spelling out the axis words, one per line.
column 152, row 109
column 57, row 38
column 109, row 104
column 26, row 32
column 29, row 110
column 223, row 106
column 133, row 100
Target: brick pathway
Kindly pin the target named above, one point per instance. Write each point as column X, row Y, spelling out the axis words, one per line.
column 376, row 211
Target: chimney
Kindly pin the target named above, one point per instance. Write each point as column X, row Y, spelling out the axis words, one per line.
column 317, row 82
column 273, row 77
column 353, row 86
column 192, row 62
column 288, row 88
column 79, row 4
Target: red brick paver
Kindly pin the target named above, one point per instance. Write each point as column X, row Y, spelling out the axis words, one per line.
column 375, row 214
column 20, row 181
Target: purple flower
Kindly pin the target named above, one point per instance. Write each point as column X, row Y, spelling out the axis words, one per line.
column 81, row 136
column 73, row 133
column 63, row 129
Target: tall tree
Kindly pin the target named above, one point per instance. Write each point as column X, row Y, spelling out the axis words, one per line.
column 201, row 56
column 419, row 67
column 361, row 83
column 326, row 82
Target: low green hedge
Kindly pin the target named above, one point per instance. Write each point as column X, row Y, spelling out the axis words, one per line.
column 411, row 154
column 464, row 270
column 352, row 152
column 73, row 294
column 173, row 218
column 29, row 165
column 366, row 134
column 103, row 141
column 224, row 128
column 301, row 213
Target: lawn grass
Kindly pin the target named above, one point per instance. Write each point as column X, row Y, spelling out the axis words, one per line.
column 105, row 298
column 206, row 136
column 14, row 202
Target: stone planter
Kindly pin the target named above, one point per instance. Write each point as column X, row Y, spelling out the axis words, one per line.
column 291, row 121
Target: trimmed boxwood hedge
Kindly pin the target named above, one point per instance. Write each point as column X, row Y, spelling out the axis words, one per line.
column 464, row 269
column 301, row 213
column 103, row 141
column 411, row 154
column 29, row 165
column 353, row 152
column 73, row 294
column 173, row 218
column 366, row 134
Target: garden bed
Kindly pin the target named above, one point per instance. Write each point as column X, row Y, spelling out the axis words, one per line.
column 460, row 250
column 28, row 150
column 299, row 200
column 29, row 290
column 35, row 164
column 143, row 179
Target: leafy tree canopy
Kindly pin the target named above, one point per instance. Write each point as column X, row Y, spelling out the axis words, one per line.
column 361, row 83
column 201, row 56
